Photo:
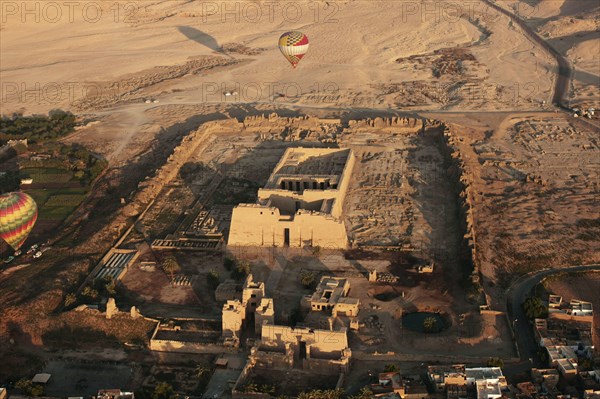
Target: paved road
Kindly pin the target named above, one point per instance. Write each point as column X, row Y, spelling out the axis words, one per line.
column 565, row 70
column 220, row 382
column 517, row 294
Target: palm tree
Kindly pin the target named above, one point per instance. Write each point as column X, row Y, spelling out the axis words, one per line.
column 534, row 308
column 251, row 388
column 430, row 324
column 266, row 388
column 171, row 266
column 316, row 251
column 390, row 368
column 365, row 393
column 201, row 370
column 322, row 394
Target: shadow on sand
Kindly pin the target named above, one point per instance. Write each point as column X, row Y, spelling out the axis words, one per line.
column 203, row 38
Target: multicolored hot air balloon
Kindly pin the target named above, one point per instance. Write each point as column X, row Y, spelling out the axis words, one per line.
column 293, row 45
column 18, row 213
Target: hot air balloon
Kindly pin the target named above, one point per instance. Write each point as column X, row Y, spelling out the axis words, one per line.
column 293, row 45
column 18, row 213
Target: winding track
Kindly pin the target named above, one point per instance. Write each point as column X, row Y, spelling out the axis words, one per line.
column 565, row 70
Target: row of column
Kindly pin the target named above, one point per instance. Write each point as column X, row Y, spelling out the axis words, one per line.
column 303, row 185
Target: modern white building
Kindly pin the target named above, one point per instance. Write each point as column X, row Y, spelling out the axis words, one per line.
column 581, row 308
column 488, row 381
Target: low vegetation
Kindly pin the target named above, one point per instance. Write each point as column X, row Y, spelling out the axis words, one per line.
column 430, row 324
column 390, row 368
column 9, row 181
column 308, row 279
column 171, row 266
column 100, row 288
column 57, row 124
column 29, row 388
column 534, row 308
column 322, row 394
column 163, row 390
column 252, row 387
column 212, row 278
column 495, row 362
column 55, row 162
column 365, row 393
column 61, row 173
column 237, row 269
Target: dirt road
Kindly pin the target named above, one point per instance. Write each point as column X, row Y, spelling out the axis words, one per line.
column 565, row 70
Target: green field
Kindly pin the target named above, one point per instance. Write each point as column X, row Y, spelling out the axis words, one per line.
column 40, row 196
column 68, row 200
column 47, row 175
column 54, row 204
column 57, row 213
column 57, row 204
column 61, row 173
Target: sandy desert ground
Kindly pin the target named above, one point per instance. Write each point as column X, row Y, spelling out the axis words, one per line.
column 535, row 186
column 572, row 28
column 363, row 53
column 103, row 59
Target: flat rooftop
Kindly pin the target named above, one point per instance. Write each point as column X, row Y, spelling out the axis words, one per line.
column 330, row 290
column 566, row 364
column 393, row 380
column 307, row 164
column 484, row 373
column 487, row 390
column 561, row 352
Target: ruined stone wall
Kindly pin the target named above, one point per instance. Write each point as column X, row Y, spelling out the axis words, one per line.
column 338, row 206
column 461, row 178
column 326, row 366
column 275, row 123
column 190, row 144
column 322, row 341
column 261, row 319
column 250, row 395
column 233, row 319
column 184, row 347
column 306, row 128
column 346, row 309
column 236, row 392
column 387, row 125
column 257, row 226
column 286, row 200
column 271, row 360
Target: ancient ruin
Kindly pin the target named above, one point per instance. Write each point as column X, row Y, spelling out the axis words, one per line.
column 301, row 204
column 332, row 296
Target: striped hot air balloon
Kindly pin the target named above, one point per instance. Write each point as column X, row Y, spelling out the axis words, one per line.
column 18, row 213
column 293, row 45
